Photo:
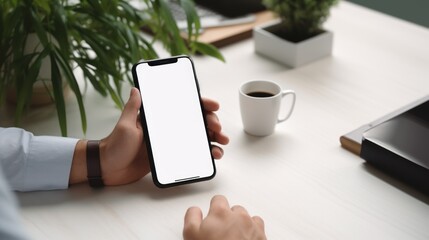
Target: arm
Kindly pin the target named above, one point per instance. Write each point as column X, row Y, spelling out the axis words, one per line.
column 45, row 163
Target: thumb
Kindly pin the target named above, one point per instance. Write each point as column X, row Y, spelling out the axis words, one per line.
column 132, row 107
column 193, row 220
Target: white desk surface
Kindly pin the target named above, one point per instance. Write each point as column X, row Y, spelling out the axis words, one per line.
column 299, row 180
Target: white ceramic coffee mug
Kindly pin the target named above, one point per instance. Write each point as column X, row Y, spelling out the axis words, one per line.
column 260, row 103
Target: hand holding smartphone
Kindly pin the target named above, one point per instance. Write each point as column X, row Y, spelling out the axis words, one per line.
column 173, row 121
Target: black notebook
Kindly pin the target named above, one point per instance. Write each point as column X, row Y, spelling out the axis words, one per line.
column 400, row 146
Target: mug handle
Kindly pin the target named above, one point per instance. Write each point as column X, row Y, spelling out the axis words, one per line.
column 284, row 93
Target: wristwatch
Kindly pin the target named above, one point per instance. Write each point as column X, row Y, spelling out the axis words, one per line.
column 95, row 179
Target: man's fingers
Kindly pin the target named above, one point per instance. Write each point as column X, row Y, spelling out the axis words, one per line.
column 259, row 221
column 132, row 107
column 210, row 105
column 193, row 219
column 218, row 205
column 213, row 122
column 221, row 138
column 217, row 152
column 240, row 209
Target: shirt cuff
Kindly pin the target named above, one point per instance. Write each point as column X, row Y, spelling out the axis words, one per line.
column 49, row 163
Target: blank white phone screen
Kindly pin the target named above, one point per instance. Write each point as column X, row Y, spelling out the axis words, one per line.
column 174, row 118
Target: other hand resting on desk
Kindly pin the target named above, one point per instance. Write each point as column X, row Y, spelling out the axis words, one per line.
column 222, row 222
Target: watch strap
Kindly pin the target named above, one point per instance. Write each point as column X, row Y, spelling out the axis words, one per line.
column 95, row 179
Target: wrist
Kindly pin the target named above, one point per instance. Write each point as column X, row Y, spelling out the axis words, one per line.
column 78, row 171
column 104, row 159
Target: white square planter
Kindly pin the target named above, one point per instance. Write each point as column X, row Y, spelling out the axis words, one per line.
column 290, row 53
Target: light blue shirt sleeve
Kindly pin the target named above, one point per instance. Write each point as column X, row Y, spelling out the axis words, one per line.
column 33, row 163
column 11, row 225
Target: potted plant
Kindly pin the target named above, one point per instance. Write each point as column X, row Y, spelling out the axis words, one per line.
column 297, row 36
column 103, row 39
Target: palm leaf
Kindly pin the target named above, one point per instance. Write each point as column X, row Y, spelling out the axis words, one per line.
column 24, row 88
column 102, row 38
column 192, row 19
column 72, row 81
column 57, row 87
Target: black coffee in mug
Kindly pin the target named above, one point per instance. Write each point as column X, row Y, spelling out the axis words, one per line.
column 260, row 94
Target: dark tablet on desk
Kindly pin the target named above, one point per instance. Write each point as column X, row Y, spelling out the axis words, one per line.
column 352, row 141
column 400, row 146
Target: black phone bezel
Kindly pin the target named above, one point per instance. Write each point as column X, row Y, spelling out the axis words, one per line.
column 157, row 62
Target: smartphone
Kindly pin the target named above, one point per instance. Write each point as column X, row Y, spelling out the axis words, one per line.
column 173, row 121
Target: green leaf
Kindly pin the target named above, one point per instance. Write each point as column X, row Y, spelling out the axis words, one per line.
column 2, row 30
column 192, row 18
column 84, row 65
column 115, row 96
column 209, row 50
column 72, row 81
column 57, row 87
column 95, row 4
column 29, row 65
column 118, row 87
column 24, row 88
column 178, row 46
column 60, row 28
column 43, row 4
column 103, row 57
column 39, row 29
column 146, row 51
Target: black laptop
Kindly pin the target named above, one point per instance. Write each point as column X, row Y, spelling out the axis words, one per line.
column 232, row 8
column 218, row 13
